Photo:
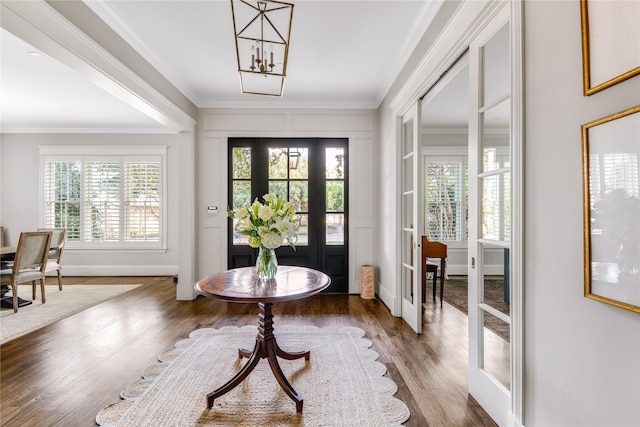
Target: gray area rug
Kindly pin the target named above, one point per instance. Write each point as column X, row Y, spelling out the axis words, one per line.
column 59, row 305
column 342, row 384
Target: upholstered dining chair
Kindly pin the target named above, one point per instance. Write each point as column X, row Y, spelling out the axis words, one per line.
column 54, row 260
column 29, row 264
column 433, row 250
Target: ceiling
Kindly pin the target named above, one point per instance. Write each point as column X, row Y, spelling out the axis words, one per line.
column 343, row 54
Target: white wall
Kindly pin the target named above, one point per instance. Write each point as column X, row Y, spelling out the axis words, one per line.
column 20, row 203
column 217, row 125
column 582, row 362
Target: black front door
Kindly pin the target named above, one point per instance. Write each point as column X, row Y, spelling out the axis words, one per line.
column 312, row 174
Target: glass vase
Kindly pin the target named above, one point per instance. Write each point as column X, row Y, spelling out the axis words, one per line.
column 267, row 263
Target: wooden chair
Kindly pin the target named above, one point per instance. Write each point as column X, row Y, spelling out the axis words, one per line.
column 433, row 250
column 29, row 264
column 54, row 260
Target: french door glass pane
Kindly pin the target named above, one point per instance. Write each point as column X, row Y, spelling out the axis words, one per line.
column 241, row 194
column 241, row 198
column 495, row 137
column 334, row 160
column 407, row 262
column 495, row 283
column 496, row 66
column 303, row 230
column 494, row 294
column 335, row 196
column 335, row 229
column 299, row 195
column 298, row 163
column 496, row 355
column 278, row 188
column 278, row 163
column 407, row 139
column 241, row 163
column 496, row 207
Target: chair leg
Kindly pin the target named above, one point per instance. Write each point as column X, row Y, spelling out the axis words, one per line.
column 14, row 291
column 42, row 290
column 435, row 284
column 441, row 285
column 59, row 279
column 33, row 289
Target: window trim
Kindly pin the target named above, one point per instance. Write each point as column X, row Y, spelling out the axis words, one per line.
column 81, row 152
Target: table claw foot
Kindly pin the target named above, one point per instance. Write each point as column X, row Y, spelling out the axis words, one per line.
column 292, row 355
column 237, row 379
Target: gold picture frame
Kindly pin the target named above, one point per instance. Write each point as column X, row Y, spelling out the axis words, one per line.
column 611, row 206
column 610, row 43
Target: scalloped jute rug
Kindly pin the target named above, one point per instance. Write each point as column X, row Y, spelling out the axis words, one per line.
column 342, row 384
column 59, row 305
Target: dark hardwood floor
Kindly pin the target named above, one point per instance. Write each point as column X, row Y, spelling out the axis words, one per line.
column 64, row 373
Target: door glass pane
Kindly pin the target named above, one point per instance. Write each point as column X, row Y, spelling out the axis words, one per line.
column 241, row 194
column 335, row 229
column 241, row 198
column 495, row 348
column 494, row 289
column 303, row 230
column 279, row 188
column 335, row 196
column 298, row 163
column 496, row 71
column 407, row 262
column 496, row 207
column 334, row 161
column 407, row 138
column 241, row 187
column 241, row 163
column 407, row 174
column 495, row 137
column 278, row 162
column 299, row 195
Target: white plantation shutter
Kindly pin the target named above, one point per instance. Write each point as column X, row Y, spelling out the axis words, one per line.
column 102, row 201
column 445, row 199
column 108, row 201
column 62, row 197
column 142, row 201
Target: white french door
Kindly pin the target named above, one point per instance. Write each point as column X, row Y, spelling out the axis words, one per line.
column 411, row 225
column 490, row 218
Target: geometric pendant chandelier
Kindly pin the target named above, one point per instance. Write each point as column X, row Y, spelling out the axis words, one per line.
column 262, row 30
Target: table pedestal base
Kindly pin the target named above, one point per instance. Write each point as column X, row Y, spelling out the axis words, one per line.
column 266, row 347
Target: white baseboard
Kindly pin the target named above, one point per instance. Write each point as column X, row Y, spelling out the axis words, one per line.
column 387, row 298
column 119, row 270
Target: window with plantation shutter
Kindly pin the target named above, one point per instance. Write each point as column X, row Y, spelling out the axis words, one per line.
column 102, row 201
column 142, row 201
column 105, row 201
column 446, row 198
column 62, row 196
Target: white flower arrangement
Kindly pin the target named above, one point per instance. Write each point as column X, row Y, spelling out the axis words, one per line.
column 270, row 224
